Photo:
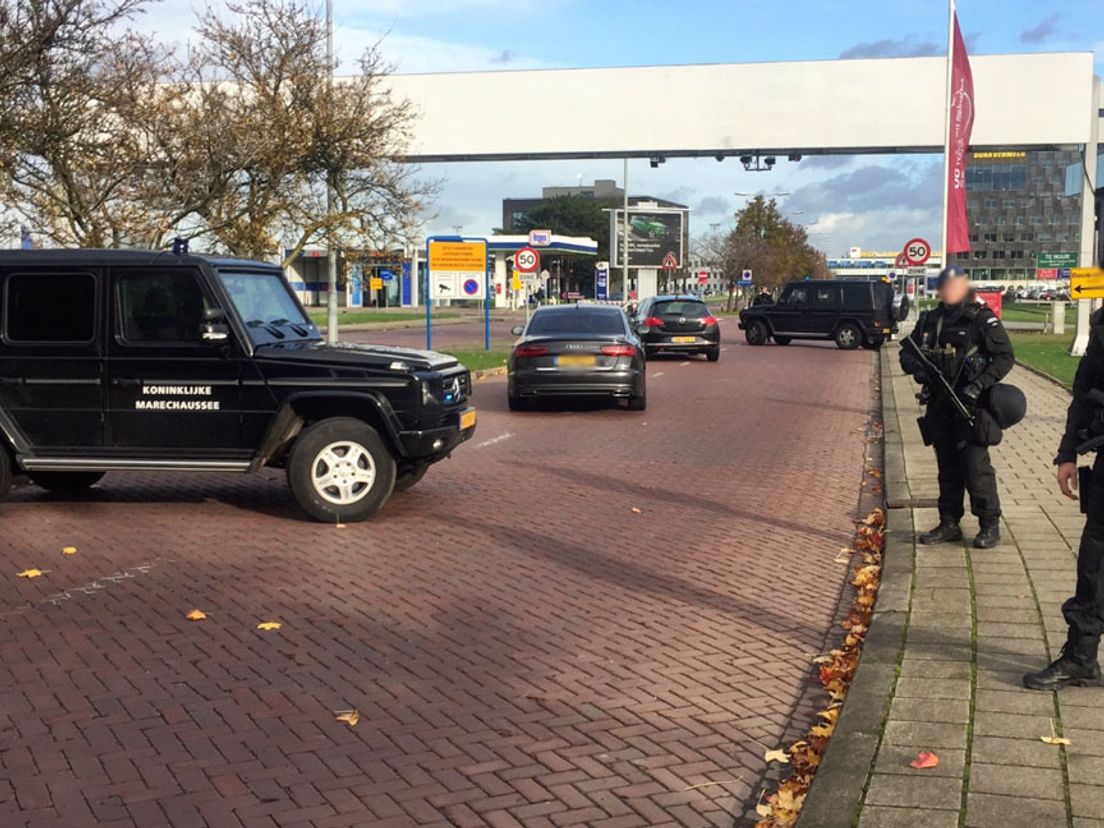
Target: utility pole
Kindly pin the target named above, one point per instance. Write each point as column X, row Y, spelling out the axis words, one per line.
column 331, row 252
column 625, row 232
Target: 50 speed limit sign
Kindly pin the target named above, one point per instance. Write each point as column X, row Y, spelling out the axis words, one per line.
column 527, row 260
column 917, row 252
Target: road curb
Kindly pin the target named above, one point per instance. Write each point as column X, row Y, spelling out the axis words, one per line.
column 836, row 795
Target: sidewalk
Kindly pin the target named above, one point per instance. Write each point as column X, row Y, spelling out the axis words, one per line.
column 954, row 630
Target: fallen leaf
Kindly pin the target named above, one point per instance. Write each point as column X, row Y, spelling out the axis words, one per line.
column 69, row 550
column 925, row 759
column 269, row 625
column 31, row 573
column 340, row 525
column 636, row 511
column 196, row 615
column 763, row 809
column 777, row 756
column 350, row 717
column 1056, row 740
column 717, row 782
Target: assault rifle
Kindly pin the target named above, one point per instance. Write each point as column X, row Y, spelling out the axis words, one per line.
column 933, row 371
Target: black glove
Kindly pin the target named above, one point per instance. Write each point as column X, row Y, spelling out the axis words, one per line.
column 971, row 393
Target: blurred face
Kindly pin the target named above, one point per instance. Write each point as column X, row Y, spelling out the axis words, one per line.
column 954, row 291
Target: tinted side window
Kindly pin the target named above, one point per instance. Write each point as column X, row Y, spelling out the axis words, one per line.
column 857, row 296
column 797, row 296
column 826, row 297
column 50, row 307
column 160, row 306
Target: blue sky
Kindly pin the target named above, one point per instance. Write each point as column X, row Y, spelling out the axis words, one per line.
column 868, row 201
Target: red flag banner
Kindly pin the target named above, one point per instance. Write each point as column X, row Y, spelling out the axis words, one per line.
column 958, row 145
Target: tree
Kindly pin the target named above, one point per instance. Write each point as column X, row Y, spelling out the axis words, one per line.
column 72, row 122
column 261, row 77
column 775, row 249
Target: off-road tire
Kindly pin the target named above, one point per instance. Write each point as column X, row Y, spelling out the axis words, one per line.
column 756, row 333
column 65, row 483
column 848, row 336
column 325, row 447
column 873, row 344
column 7, row 472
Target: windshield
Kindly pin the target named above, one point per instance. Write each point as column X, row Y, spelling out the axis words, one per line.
column 691, row 310
column 264, row 302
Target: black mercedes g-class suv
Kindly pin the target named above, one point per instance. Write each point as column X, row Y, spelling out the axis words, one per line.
column 137, row 360
column 852, row 312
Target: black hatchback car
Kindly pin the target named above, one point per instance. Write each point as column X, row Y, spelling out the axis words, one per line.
column 577, row 350
column 125, row 360
column 678, row 325
column 852, row 312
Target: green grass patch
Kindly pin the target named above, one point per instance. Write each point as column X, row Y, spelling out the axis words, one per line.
column 1021, row 312
column 1048, row 353
column 481, row 360
column 371, row 317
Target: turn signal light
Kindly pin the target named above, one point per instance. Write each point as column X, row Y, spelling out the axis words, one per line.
column 530, row 351
column 653, row 322
column 618, row 350
column 709, row 321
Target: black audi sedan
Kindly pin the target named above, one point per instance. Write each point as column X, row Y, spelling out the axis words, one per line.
column 577, row 350
column 679, row 325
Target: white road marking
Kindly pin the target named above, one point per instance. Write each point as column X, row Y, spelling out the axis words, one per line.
column 494, row 440
column 659, row 374
column 681, row 364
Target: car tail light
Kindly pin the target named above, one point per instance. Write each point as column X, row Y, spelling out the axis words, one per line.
column 709, row 321
column 877, row 323
column 653, row 322
column 618, row 350
column 530, row 351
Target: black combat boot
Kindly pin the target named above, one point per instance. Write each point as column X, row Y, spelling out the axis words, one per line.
column 947, row 531
column 1076, row 665
column 988, row 537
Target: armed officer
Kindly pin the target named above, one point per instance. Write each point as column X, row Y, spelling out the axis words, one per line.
column 965, row 342
column 1084, row 612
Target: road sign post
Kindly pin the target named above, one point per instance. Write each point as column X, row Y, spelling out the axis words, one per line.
column 456, row 268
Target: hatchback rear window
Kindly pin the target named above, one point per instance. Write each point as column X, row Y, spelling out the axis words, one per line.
column 575, row 322
column 691, row 310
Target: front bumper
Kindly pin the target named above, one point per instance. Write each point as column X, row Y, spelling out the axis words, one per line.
column 549, row 383
column 435, row 444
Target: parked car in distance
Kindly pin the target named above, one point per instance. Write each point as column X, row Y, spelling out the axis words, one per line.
column 678, row 324
column 852, row 312
column 128, row 360
column 574, row 351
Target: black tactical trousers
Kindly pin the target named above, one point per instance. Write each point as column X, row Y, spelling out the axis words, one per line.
column 963, row 467
column 1084, row 612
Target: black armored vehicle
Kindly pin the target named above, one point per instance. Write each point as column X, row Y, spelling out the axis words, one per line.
column 851, row 312
column 116, row 360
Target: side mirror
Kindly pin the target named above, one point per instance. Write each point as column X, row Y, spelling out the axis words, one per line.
column 642, row 329
column 213, row 328
column 517, row 330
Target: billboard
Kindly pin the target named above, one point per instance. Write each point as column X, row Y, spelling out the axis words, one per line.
column 653, row 233
column 457, row 269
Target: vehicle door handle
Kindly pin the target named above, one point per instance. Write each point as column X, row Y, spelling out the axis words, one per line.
column 10, row 381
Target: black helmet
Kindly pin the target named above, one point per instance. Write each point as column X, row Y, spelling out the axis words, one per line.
column 950, row 272
column 1007, row 404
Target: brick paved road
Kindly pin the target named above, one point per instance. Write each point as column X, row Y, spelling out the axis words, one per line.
column 523, row 648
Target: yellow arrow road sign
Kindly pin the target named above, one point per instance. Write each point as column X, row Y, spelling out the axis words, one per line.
column 1087, row 283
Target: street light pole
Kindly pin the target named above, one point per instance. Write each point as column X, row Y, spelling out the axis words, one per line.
column 331, row 253
column 625, row 231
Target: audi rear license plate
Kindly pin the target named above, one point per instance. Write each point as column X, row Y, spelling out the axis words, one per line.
column 682, row 340
column 575, row 361
column 467, row 419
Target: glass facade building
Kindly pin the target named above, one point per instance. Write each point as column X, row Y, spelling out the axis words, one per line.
column 1020, row 215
